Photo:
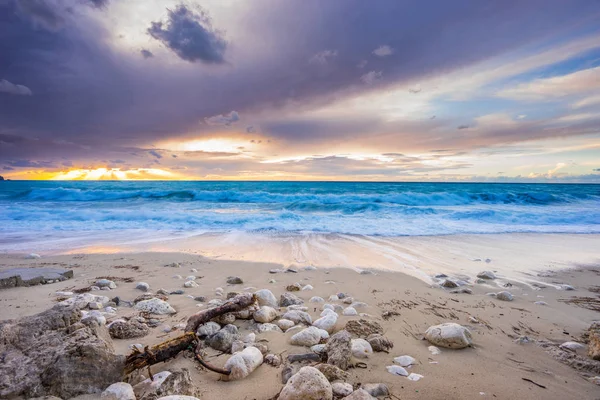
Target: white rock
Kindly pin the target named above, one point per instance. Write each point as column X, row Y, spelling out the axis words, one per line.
column 215, row 302
column 94, row 305
column 307, row 287
column 361, row 348
column 190, row 278
column 572, row 346
column 405, row 361
column 268, row 327
column 504, row 296
column 266, row 298
column 155, row 306
column 415, row 377
column 97, row 315
column 82, row 300
column 149, row 385
column 208, row 329
column 316, row 299
column 32, row 256
column 541, row 303
column 102, row 283
column 358, row 304
column 194, row 270
column 243, row 363
column 348, row 300
column 64, row 294
column 396, row 370
column 118, row 391
column 327, row 311
column 327, row 307
column 265, row 314
column 434, row 350
column 449, row 335
column 486, row 275
column 349, row 311
column 94, row 288
column 177, row 277
column 285, row 324
column 297, row 307
column 298, row 316
column 178, row 397
column 190, row 284
column 143, row 286
column 341, row 389
column 327, row 322
column 307, row 384
column 249, row 338
column 566, row 287
column 333, row 297
column 318, row 348
column 309, row 337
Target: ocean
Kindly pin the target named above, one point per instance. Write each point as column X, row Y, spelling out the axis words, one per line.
column 83, row 211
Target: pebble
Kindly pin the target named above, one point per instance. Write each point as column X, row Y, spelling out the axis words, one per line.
column 273, row 360
column 94, row 288
column 307, row 384
column 449, row 284
column 414, row 377
column 366, row 272
column 566, row 287
column 349, row 311
column 316, row 299
column 449, row 335
column 309, row 268
column 105, row 288
column 234, row 280
column 405, row 361
column 361, row 348
column 177, row 277
column 486, row 275
column 190, row 284
column 504, row 296
column 327, row 322
column 194, row 270
column 434, row 350
column 298, row 317
column 348, row 300
column 333, row 297
column 65, row 294
column 265, row 314
column 268, row 327
column 201, row 299
column 208, row 329
column 319, row 349
column 571, row 346
column 266, row 298
column 376, row 389
column 94, row 305
column 190, row 278
column 396, row 370
column 358, row 304
column 307, row 287
column 288, row 299
column 309, row 337
column 32, row 256
column 178, row 291
column 285, row 324
column 143, row 286
column 541, row 303
column 244, row 363
column 341, row 389
column 296, row 287
column 173, row 265
column 118, row 391
column 155, row 306
column 102, row 283
column 291, row 270
column 275, row 271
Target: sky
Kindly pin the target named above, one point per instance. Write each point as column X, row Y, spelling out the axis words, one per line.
column 386, row 90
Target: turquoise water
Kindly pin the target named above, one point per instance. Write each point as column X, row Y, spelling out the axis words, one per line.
column 34, row 209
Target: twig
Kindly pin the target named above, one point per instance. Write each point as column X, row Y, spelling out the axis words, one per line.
column 536, row 384
column 210, row 367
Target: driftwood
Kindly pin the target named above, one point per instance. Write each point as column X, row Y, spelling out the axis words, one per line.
column 166, row 350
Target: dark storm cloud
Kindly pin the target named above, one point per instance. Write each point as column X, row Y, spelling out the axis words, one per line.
column 101, row 99
column 146, row 53
column 190, row 35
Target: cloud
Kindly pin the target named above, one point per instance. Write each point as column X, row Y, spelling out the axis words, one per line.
column 383, row 51
column 371, row 77
column 323, row 57
column 221, row 119
column 98, row 3
column 45, row 13
column 7, row 87
column 415, row 89
column 460, row 127
column 587, row 101
column 146, row 53
column 155, row 153
column 190, row 35
column 251, row 129
column 596, row 170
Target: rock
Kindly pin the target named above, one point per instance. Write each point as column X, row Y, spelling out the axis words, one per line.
column 339, row 350
column 200, row 299
column 449, row 284
column 504, row 296
column 540, row 303
column 143, row 286
column 414, row 377
column 94, row 305
column 313, row 357
column 358, row 304
column 54, row 354
column 363, row 328
column 63, row 294
column 376, row 389
column 265, row 314
column 574, row 346
column 327, row 322
column 243, row 363
column 341, row 389
column 190, row 284
column 463, row 290
column 16, row 277
column 118, row 391
column 360, row 394
column 308, row 337
column 155, row 306
column 285, row 324
column 307, row 384
column 307, row 287
column 101, row 283
column 297, row 307
column 269, row 328
column 333, row 297
column 434, row 350
column 332, row 373
column 405, row 361
column 208, row 329
column 294, row 288
column 594, row 341
column 380, row 343
column 246, row 313
column 349, row 311
column 93, row 317
column 319, row 349
column 291, row 270
column 178, row 384
column 234, row 280
column 178, row 397
column 225, row 319
column 288, row 299
column 298, row 317
column 265, row 297
column 273, row 360
column 327, row 311
column 348, row 300
column 173, row 265
column 566, row 287
column 361, row 348
column 223, row 339
column 32, row 256
column 128, row 329
column 316, row 299
column 486, row 275
column 83, row 300
column 396, row 370
column 149, row 386
column 449, row 335
column 275, row 271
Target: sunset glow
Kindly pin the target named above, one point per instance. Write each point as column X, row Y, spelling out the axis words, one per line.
column 113, row 174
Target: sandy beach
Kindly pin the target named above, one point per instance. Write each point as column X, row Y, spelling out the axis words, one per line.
column 405, row 306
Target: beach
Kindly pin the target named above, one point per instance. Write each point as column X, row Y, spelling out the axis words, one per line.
column 405, row 301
